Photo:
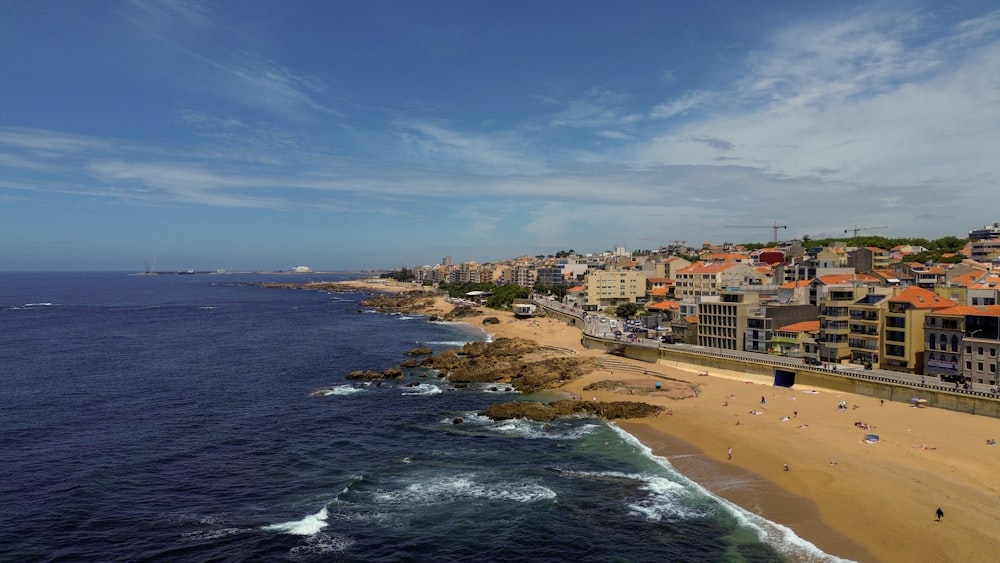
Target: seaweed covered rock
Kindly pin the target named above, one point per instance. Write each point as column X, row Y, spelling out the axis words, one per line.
column 551, row 373
column 548, row 412
column 405, row 302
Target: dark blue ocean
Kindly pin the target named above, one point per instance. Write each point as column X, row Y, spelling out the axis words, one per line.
column 170, row 418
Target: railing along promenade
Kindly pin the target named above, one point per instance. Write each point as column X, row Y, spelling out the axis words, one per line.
column 878, row 383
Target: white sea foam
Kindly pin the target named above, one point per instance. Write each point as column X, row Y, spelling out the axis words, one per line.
column 341, row 390
column 450, row 343
column 461, row 487
column 422, row 389
column 531, row 429
column 38, row 304
column 780, row 537
column 308, row 526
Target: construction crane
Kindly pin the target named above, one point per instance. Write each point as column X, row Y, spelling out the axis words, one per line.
column 774, row 226
column 858, row 229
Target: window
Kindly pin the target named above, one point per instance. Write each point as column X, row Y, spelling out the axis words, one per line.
column 979, row 366
column 933, row 342
column 993, row 352
column 944, row 341
column 954, row 343
column 968, row 349
column 979, row 351
column 968, row 365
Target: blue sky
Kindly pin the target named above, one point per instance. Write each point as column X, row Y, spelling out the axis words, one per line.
column 359, row 135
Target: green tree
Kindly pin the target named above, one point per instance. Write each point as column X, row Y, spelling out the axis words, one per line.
column 626, row 310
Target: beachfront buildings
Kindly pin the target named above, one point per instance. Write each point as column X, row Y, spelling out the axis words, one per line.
column 610, row 288
column 764, row 320
column 903, row 344
column 711, row 278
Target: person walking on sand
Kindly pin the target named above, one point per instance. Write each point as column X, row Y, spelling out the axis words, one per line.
column 729, row 453
column 939, row 514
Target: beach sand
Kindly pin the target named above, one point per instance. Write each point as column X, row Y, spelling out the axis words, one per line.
column 852, row 499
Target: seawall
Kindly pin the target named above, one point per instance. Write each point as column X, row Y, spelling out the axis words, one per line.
column 765, row 371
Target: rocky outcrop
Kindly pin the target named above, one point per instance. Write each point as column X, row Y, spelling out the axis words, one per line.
column 462, row 312
column 420, row 351
column 547, row 412
column 491, row 321
column 408, row 302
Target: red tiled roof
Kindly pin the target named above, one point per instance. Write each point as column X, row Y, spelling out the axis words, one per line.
column 962, row 310
column 843, row 279
column 804, row 326
column 922, row 299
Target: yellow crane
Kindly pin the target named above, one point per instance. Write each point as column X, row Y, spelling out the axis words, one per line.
column 774, row 226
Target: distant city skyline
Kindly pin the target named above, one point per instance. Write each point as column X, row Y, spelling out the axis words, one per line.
column 368, row 135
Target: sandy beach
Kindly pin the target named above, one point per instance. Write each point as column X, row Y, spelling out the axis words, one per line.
column 853, row 499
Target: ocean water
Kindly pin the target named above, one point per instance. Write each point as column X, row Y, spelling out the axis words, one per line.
column 173, row 418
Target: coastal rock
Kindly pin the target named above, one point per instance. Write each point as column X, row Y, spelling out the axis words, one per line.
column 407, row 302
column 411, row 363
column 491, row 321
column 462, row 312
column 393, row 373
column 547, row 412
column 420, row 351
column 368, row 374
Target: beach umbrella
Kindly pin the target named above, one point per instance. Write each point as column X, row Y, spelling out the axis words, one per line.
column 872, row 438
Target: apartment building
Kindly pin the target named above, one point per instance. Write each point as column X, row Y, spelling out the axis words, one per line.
column 986, row 250
column 722, row 319
column 610, row 288
column 764, row 320
column 466, row 272
column 868, row 259
column 835, row 320
column 711, row 278
column 944, row 332
column 903, row 343
column 981, row 343
column 865, row 324
column 523, row 275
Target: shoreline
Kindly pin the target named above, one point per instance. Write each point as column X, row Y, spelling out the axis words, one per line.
column 849, row 498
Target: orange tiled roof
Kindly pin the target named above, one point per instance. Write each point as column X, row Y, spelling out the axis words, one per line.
column 659, row 291
column 576, row 289
column 794, row 284
column 843, row 279
column 727, row 256
column 922, row 299
column 804, row 326
column 706, row 268
column 691, row 319
column 962, row 310
column 665, row 306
